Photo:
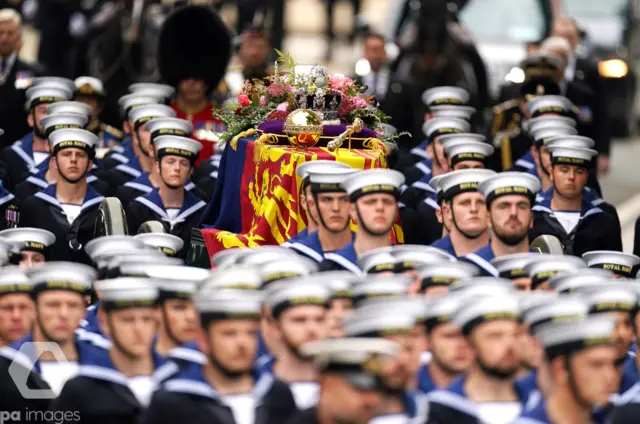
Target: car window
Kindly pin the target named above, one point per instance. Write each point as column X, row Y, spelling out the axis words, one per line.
column 517, row 21
column 596, row 8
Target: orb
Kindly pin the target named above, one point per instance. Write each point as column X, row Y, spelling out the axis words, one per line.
column 303, row 128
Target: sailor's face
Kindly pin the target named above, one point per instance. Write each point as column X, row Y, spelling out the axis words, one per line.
column 569, row 180
column 72, row 163
column 31, row 259
column 593, row 372
column 468, row 211
column 40, row 112
column 623, row 333
column 511, row 218
column 339, row 310
column 347, row 404
column 175, row 170
column 16, row 317
column 496, row 347
column 449, row 349
column 312, row 213
column 468, row 164
column 233, row 343
column 334, row 209
column 396, row 372
column 134, row 329
column 378, row 211
column 181, row 319
column 58, row 313
column 301, row 324
column 144, row 138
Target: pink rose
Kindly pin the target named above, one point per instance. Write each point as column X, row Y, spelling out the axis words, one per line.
column 283, row 107
column 244, row 100
column 263, row 100
column 359, row 102
column 337, row 81
column 346, row 107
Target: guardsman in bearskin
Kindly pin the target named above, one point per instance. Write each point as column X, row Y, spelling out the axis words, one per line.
column 69, row 207
column 90, row 91
column 171, row 204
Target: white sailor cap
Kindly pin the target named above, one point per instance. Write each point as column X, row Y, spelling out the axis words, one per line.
column 359, row 360
column 286, row 267
column 574, row 141
column 234, row 277
column 509, row 183
column 435, row 184
column 132, row 101
column 340, row 283
column 177, row 272
column 73, row 138
column 547, row 121
column 70, row 107
column 563, row 155
column 259, row 256
column 286, row 296
column 28, row 238
column 319, row 165
column 472, row 313
column 568, row 283
column 225, row 304
column 176, row 289
column 145, row 113
column 437, row 126
column 169, row 126
column 442, row 309
column 545, row 135
column 561, row 309
column 449, row 140
column 68, row 276
column 453, row 111
column 381, row 286
column 472, row 151
column 416, row 306
column 619, row 262
column 373, row 181
column 445, row 95
column 162, row 91
column 513, row 266
column 551, row 265
column 483, row 286
column 565, row 338
column 377, row 260
column 531, row 300
column 127, row 292
column 541, row 105
column 134, row 264
column 63, row 121
column 612, row 297
column 56, row 82
column 13, row 280
column 173, row 145
column 328, row 180
column 412, row 256
column 103, row 245
column 45, row 95
column 229, row 257
column 166, row 243
column 445, row 274
column 89, row 86
column 369, row 323
column 463, row 181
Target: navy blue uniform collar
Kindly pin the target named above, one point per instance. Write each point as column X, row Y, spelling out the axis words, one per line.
column 445, row 244
column 543, row 204
column 308, row 246
column 190, row 205
column 24, row 149
column 421, row 150
column 5, row 196
column 425, row 381
column 346, row 257
column 537, row 415
column 482, row 258
column 630, row 384
column 91, row 197
column 432, row 202
column 529, row 386
column 526, row 162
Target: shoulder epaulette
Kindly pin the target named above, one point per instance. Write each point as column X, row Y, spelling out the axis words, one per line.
column 111, row 130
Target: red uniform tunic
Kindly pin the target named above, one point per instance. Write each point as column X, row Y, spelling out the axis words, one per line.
column 204, row 126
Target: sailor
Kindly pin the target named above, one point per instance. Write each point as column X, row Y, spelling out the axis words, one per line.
column 435, row 279
column 26, row 153
column 340, row 284
column 467, row 210
column 567, row 283
column 430, row 222
column 9, row 209
column 168, row 244
column 380, row 286
column 622, row 264
column 332, row 207
column 350, row 376
column 576, row 388
column 33, row 244
column 302, row 172
column 17, row 311
column 378, row 261
column 548, row 266
column 148, row 180
column 90, row 91
column 451, row 356
column 115, row 383
column 630, row 381
column 386, row 320
column 141, row 139
column 299, row 313
column 163, row 92
column 68, row 208
column 59, row 293
column 497, row 359
column 221, row 386
column 374, row 207
column 101, row 249
column 176, row 208
column 566, row 213
column 513, row 266
column 509, row 197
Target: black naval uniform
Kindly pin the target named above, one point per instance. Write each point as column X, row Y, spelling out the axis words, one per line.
column 140, row 186
column 43, row 210
column 150, row 208
column 307, row 416
column 32, row 184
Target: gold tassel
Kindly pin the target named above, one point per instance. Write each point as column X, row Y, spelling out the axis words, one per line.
column 257, row 146
column 376, row 144
column 247, row 133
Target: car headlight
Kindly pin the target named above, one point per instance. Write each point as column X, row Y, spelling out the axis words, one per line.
column 613, row 68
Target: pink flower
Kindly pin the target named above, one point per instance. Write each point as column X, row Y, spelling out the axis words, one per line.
column 337, row 81
column 244, row 100
column 359, row 102
column 346, row 107
column 277, row 115
column 263, row 100
column 283, row 107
